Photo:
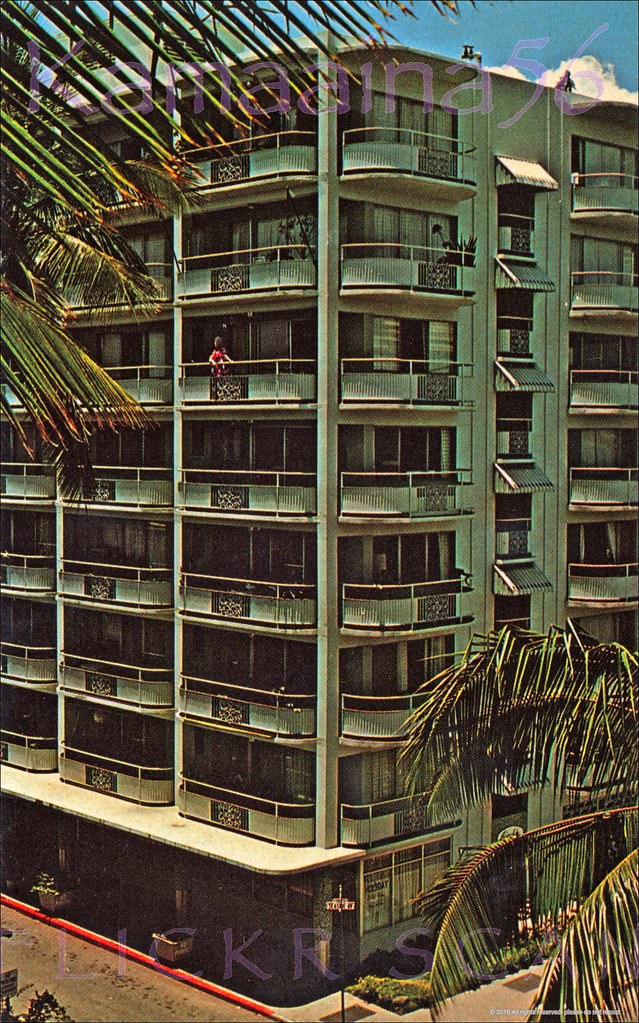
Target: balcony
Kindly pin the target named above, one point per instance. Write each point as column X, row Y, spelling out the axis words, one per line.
column 281, row 823
column 372, row 823
column 27, row 481
column 377, row 717
column 33, row 573
column 402, row 381
column 234, row 490
column 130, row 485
column 150, row 385
column 412, row 268
column 596, row 194
column 29, row 752
column 516, row 235
column 161, row 274
column 603, row 584
column 514, row 337
column 421, row 605
column 602, row 291
column 603, row 390
column 264, row 381
column 273, row 711
column 129, row 683
column 276, row 268
column 403, row 494
column 116, row 584
column 34, row 664
column 283, row 605
column 513, row 437
column 587, row 799
column 512, row 538
column 601, row 488
column 284, row 153
column 150, row 786
column 446, row 163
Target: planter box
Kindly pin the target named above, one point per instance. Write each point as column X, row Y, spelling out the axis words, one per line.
column 173, row 951
column 54, row 904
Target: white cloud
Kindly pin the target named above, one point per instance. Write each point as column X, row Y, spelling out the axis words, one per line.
column 590, row 75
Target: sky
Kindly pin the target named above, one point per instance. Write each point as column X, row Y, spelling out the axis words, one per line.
column 494, row 27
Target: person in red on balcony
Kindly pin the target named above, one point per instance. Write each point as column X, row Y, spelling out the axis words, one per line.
column 220, row 361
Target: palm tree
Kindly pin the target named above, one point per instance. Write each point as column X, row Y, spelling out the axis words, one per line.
column 521, row 711
column 61, row 175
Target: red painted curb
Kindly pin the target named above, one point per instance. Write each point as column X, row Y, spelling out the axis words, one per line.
column 140, row 957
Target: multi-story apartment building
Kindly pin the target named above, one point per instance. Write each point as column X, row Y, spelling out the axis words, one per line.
column 428, row 430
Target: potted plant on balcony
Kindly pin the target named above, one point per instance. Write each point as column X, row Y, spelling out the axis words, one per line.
column 51, row 895
column 174, row 945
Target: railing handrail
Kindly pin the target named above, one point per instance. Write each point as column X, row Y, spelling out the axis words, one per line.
column 462, row 148
column 137, row 469
column 442, row 253
column 252, row 582
column 253, row 362
column 113, row 760
column 277, row 473
column 611, row 567
column 398, row 700
column 514, row 216
column 411, row 587
column 28, row 739
column 278, row 248
column 409, row 474
column 250, row 141
column 631, row 375
column 574, row 470
column 277, row 694
column 520, row 319
column 65, row 655
column 427, row 363
column 26, row 647
column 139, row 366
column 24, row 558
column 380, row 803
column 247, row 796
column 512, row 419
column 604, row 273
column 526, row 522
column 579, row 177
column 100, row 564
column 39, row 468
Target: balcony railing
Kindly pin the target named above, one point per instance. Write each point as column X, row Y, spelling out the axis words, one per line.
column 408, row 381
column 603, row 290
column 27, row 481
column 160, row 272
column 401, row 606
column 267, row 381
column 273, row 711
column 29, row 752
column 150, row 385
column 285, row 605
column 587, row 799
column 236, row 490
column 512, row 538
column 513, row 437
column 604, row 389
column 403, row 150
column 603, row 583
column 378, row 717
column 32, row 572
column 282, row 823
column 407, row 268
column 514, row 336
column 284, row 152
column 403, row 494
column 130, row 485
column 116, row 584
column 604, row 486
column 371, row 823
column 151, row 786
column 36, row 664
column 604, row 193
column 274, row 267
column 111, row 680
column 516, row 234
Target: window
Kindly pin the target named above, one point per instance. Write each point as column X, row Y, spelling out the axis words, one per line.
column 393, row 881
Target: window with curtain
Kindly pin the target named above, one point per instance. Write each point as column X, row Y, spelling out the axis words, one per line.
column 407, row 881
column 441, row 346
column 382, row 775
column 599, row 254
column 377, row 892
column 392, row 881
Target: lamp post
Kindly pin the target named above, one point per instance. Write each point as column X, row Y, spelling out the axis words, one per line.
column 341, row 905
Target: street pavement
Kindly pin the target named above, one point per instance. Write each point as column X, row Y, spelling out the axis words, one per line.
column 95, row 984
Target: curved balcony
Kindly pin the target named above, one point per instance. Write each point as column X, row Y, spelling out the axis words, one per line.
column 371, row 823
column 367, row 266
column 29, row 752
column 597, row 194
column 603, row 584
column 402, row 494
column 377, row 717
column 26, row 663
column 110, row 680
column 281, row 823
column 284, row 153
column 161, row 274
column 283, row 605
column 27, row 481
column 516, row 235
column 150, row 786
column 603, row 389
column 446, row 164
column 264, row 381
column 129, row 485
column 601, row 488
column 273, row 711
column 402, row 381
column 116, row 584
column 237, row 490
column 150, row 385
column 603, row 291
column 514, row 337
column 422, row 605
column 272, row 268
column 33, row 573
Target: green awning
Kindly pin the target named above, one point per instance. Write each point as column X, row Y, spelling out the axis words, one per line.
column 521, row 377
column 524, row 172
column 527, row 276
column 518, row 580
column 520, row 478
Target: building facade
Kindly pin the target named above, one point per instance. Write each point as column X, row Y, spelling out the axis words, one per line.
column 428, row 429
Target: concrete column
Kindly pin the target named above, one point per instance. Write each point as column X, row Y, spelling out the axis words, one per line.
column 177, row 520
